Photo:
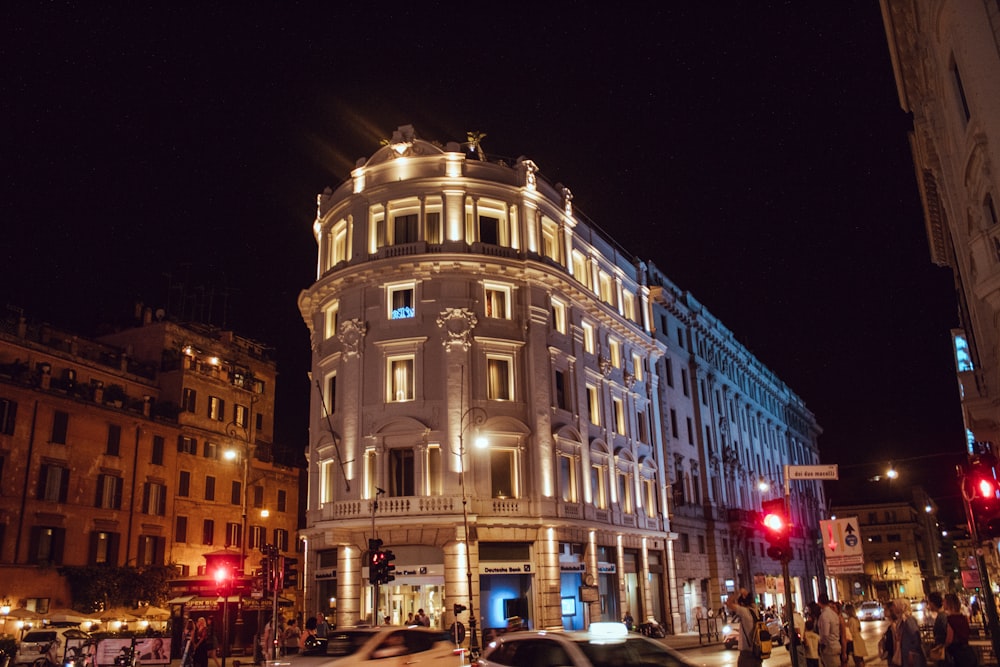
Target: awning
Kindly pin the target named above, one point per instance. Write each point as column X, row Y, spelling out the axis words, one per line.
column 211, row 603
column 183, row 599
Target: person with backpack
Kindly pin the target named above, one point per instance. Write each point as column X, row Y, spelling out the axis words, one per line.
column 736, row 604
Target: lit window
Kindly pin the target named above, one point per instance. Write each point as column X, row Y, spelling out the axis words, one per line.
column 400, row 379
column 216, row 408
column 241, row 415
column 637, row 367
column 607, row 288
column 497, row 301
column 550, row 241
column 598, row 486
column 559, row 316
column 649, row 490
column 109, row 492
column 581, row 269
column 618, row 410
column 615, row 349
column 331, row 393
column 338, row 248
column 589, row 339
column 330, row 315
column 594, row 405
column 628, row 306
column 401, row 301
column 434, row 483
column 370, row 473
column 499, row 378
column 154, row 499
column 53, row 483
column 567, row 474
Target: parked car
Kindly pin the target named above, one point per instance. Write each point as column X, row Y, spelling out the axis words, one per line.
column 871, row 610
column 394, row 646
column 603, row 645
column 48, row 644
column 347, row 641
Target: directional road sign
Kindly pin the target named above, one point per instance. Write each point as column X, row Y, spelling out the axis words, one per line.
column 842, row 546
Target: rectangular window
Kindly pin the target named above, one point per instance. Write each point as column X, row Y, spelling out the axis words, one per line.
column 489, row 230
column 637, row 370
column 497, row 302
column 594, row 405
column 670, row 372
column 151, row 548
column 370, row 473
column 60, row 426
column 628, row 306
column 241, row 415
column 598, row 487
column 184, row 484
column 258, row 496
column 209, row 487
column 216, row 408
column 581, row 269
column 331, row 394
column 404, row 229
column 210, row 451
column 673, row 423
column 643, row 425
column 624, row 492
column 53, row 483
column 551, row 247
column 559, row 316
column 567, row 476
column 963, row 101
column 701, row 544
column 502, row 482
column 109, row 492
column 8, row 412
column 499, row 378
column 236, row 494
column 282, row 495
column 156, row 457
column 561, row 391
column 186, row 445
column 181, row 529
column 649, row 490
column 401, row 301
column 234, row 534
column 103, row 548
column 402, row 474
column 258, row 537
column 154, row 499
column 615, row 350
column 607, row 288
column 208, row 531
column 190, row 400
column 400, row 381
column 704, row 393
column 281, row 539
column 684, row 382
column 434, row 485
column 618, row 414
column 690, row 427
column 114, row 440
column 589, row 339
column 434, row 234
column 330, row 320
column 47, row 544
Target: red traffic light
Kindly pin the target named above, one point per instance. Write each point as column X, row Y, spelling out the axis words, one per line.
column 222, row 575
column 986, row 487
column 774, row 522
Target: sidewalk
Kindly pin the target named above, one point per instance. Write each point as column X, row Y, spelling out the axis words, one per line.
column 688, row 640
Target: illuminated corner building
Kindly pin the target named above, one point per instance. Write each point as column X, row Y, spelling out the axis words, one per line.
column 111, row 451
column 946, row 59
column 460, row 298
column 730, row 426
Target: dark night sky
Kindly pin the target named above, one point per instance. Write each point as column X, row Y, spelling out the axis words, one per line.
column 755, row 152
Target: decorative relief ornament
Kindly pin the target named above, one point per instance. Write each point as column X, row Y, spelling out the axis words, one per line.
column 458, row 324
column 604, row 364
column 629, row 380
column 350, row 336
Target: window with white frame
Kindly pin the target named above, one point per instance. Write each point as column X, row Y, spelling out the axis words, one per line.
column 599, row 486
column 330, row 316
column 331, row 393
column 376, row 227
column 497, row 301
column 606, row 284
column 594, row 405
column 615, row 350
column 434, row 478
column 628, row 306
column 618, row 413
column 589, row 338
column 370, row 473
column 567, row 478
column 503, row 473
column 401, row 298
column 649, row 493
column 551, row 247
column 499, row 378
column 326, row 481
column 399, row 378
column 433, row 229
column 559, row 316
column 637, row 370
column 338, row 249
column 581, row 269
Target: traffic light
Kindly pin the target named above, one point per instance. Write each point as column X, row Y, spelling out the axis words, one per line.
column 376, row 561
column 388, row 567
column 265, row 573
column 223, row 580
column 291, row 575
column 983, row 492
column 776, row 529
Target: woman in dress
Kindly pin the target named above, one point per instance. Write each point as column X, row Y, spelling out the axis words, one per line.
column 956, row 643
column 858, row 647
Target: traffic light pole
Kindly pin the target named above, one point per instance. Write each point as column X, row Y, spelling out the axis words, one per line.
column 989, row 603
column 793, row 640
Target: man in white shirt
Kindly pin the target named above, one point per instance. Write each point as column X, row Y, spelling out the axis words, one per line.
column 831, row 651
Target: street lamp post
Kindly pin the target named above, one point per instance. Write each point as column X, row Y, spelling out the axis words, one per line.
column 243, row 435
column 476, row 416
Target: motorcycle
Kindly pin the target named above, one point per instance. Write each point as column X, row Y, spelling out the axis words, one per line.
column 652, row 628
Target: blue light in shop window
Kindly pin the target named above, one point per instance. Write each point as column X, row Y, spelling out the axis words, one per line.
column 402, row 312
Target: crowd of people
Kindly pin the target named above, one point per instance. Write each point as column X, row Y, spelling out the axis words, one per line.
column 830, row 633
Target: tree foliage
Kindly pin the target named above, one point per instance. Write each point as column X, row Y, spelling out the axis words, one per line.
column 98, row 587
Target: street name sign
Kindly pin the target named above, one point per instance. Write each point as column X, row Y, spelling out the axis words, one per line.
column 813, row 472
